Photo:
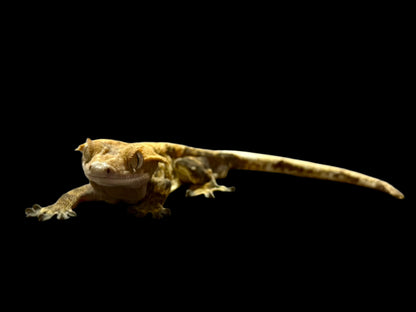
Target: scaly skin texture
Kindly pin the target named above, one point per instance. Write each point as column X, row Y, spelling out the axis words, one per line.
column 144, row 174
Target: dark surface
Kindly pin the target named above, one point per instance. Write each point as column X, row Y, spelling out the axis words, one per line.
column 334, row 95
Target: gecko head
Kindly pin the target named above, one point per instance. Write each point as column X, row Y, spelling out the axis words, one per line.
column 113, row 163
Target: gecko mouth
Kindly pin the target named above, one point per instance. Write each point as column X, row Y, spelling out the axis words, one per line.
column 118, row 180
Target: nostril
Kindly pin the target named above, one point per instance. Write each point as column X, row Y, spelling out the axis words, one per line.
column 108, row 171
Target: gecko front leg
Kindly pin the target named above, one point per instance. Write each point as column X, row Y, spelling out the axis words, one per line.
column 64, row 205
column 158, row 190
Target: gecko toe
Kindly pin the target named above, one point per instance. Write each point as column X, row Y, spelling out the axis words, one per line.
column 38, row 211
column 64, row 215
column 160, row 213
column 34, row 211
column 44, row 216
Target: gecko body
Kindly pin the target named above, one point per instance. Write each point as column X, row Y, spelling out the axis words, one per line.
column 144, row 174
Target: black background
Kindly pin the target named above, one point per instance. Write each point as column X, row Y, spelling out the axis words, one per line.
column 319, row 89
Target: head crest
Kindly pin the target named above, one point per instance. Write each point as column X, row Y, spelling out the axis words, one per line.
column 84, row 145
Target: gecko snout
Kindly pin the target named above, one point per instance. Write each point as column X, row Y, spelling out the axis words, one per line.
column 100, row 169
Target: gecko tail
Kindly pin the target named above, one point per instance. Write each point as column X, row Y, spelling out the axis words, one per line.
column 290, row 166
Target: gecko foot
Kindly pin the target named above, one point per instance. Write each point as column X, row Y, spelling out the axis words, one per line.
column 159, row 213
column 45, row 213
column 208, row 189
column 142, row 210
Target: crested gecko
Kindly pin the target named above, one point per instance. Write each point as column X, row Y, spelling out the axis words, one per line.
column 144, row 174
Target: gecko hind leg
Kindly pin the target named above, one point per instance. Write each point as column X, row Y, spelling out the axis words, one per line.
column 197, row 172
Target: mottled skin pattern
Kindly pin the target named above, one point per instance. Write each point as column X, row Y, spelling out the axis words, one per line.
column 144, row 174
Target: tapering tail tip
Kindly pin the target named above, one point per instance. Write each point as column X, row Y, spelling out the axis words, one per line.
column 380, row 185
column 390, row 189
column 396, row 193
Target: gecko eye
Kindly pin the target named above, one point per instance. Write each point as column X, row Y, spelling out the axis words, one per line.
column 136, row 161
column 139, row 160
